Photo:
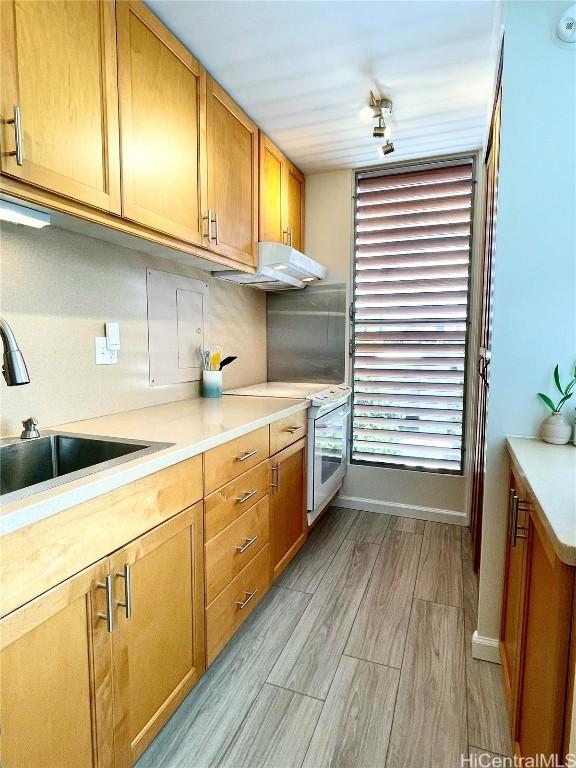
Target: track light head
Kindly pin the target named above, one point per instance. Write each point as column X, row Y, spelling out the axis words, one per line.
column 386, row 149
column 382, row 131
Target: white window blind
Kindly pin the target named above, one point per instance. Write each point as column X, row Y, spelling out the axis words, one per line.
column 412, row 254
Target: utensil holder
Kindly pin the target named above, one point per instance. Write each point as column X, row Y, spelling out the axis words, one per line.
column 211, row 383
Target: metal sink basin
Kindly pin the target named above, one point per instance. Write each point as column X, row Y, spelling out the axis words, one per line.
column 31, row 466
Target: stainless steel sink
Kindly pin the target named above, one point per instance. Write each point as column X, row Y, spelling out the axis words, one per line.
column 31, row 466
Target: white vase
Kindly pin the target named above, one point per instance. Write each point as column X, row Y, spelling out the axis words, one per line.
column 555, row 429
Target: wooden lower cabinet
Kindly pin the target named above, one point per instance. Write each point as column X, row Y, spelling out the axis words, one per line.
column 55, row 705
column 537, row 617
column 82, row 689
column 235, row 603
column 288, row 523
column 158, row 634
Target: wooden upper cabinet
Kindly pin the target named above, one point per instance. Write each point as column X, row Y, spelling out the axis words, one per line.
column 54, row 664
column 232, row 163
column 295, row 221
column 59, row 76
column 162, row 118
column 272, row 203
column 281, row 210
column 158, row 640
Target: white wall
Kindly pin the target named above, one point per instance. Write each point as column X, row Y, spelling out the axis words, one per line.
column 57, row 290
column 535, row 271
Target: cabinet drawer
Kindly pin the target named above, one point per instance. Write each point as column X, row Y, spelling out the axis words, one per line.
column 232, row 459
column 229, row 552
column 232, row 606
column 287, row 431
column 229, row 502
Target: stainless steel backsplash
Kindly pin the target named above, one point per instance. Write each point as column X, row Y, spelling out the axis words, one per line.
column 306, row 334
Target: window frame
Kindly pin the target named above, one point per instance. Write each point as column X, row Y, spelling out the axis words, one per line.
column 409, row 167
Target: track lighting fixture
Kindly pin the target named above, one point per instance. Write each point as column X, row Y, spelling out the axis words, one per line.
column 382, row 131
column 385, row 149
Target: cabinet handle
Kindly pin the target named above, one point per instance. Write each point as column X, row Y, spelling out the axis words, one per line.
column 294, row 429
column 248, row 543
column 248, row 495
column 514, row 516
column 277, row 470
column 216, row 222
column 285, row 236
column 209, row 220
column 127, row 604
column 246, row 455
column 243, row 603
column 108, row 617
column 17, row 122
column 290, row 236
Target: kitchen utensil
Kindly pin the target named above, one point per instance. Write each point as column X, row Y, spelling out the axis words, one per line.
column 227, row 361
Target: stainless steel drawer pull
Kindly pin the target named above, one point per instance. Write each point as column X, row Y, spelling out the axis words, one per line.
column 276, row 468
column 248, row 495
column 244, row 603
column 247, row 455
column 108, row 617
column 295, row 428
column 127, row 604
column 217, row 223
column 209, row 220
column 17, row 122
column 247, row 545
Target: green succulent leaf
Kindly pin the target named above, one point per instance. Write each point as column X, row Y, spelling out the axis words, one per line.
column 557, row 380
column 546, row 400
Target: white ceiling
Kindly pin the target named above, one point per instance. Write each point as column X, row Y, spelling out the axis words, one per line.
column 302, row 70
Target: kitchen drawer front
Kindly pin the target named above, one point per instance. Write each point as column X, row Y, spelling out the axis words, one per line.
column 288, row 431
column 232, row 606
column 231, row 551
column 229, row 502
column 232, row 459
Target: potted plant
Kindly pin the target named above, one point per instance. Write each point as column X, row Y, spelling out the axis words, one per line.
column 555, row 428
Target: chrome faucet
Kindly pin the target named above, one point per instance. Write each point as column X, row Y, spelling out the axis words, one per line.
column 14, row 368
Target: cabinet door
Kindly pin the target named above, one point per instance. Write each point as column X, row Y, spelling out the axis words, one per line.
column 232, row 163
column 162, row 101
column 273, row 193
column 549, row 589
column 59, row 72
column 288, row 521
column 158, row 638
column 295, row 195
column 513, row 601
column 55, row 671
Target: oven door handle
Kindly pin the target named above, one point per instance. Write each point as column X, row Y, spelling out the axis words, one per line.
column 334, row 420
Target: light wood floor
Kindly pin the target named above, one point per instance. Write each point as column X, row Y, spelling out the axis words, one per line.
column 358, row 657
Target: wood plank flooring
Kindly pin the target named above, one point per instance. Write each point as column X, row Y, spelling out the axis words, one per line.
column 358, row 658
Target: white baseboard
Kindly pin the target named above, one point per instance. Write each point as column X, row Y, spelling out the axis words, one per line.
column 402, row 510
column 485, row 648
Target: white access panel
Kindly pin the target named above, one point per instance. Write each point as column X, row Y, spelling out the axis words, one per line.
column 177, row 326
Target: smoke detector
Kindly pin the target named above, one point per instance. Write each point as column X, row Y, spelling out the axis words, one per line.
column 566, row 27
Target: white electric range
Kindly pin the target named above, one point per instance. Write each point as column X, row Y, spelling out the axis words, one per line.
column 328, row 418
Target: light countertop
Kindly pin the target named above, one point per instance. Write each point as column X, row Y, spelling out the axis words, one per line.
column 549, row 473
column 193, row 426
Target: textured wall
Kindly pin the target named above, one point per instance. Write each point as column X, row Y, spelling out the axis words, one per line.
column 57, row 290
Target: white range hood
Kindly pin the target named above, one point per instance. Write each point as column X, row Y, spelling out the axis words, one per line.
column 280, row 268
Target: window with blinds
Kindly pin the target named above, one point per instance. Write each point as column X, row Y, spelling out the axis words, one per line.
column 412, row 253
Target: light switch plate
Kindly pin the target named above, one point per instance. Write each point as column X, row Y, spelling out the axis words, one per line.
column 104, row 356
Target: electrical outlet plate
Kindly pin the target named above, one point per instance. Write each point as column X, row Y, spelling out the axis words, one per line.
column 105, row 356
